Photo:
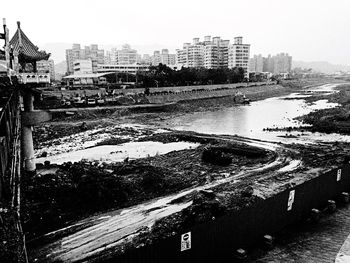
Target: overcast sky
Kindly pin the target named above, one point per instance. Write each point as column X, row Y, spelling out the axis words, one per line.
column 309, row 30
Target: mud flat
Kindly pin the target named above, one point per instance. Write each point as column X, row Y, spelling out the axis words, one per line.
column 73, row 190
column 334, row 120
column 95, row 209
column 148, row 199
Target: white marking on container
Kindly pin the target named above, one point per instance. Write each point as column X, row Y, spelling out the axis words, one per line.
column 186, row 241
column 291, row 200
column 338, row 175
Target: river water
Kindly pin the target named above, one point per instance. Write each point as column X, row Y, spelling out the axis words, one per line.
column 243, row 120
column 118, row 153
column 250, row 120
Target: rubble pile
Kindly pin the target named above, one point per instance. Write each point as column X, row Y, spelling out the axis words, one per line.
column 74, row 190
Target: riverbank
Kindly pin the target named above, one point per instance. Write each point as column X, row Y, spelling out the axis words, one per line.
column 65, row 125
column 210, row 191
column 59, row 194
column 151, row 198
column 334, row 120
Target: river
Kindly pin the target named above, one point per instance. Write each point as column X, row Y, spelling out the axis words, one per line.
column 99, row 234
column 250, row 120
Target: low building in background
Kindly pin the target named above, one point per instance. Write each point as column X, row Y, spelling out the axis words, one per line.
column 82, row 66
column 128, row 68
column 46, row 66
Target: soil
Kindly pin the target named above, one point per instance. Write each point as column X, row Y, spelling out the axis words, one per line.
column 78, row 190
column 335, row 120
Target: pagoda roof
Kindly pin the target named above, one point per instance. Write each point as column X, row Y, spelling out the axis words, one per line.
column 27, row 51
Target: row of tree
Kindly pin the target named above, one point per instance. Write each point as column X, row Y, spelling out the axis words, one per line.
column 162, row 76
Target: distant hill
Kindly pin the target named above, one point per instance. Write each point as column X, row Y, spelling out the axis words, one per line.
column 320, row 66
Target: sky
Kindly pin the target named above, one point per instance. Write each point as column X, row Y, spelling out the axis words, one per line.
column 309, row 30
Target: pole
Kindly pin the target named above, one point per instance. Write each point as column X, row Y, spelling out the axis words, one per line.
column 27, row 135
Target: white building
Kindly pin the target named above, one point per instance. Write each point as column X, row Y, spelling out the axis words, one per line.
column 167, row 58
column 191, row 55
column 146, row 59
column 156, row 58
column 282, row 63
column 210, row 53
column 238, row 55
column 124, row 56
column 82, row 66
column 211, row 56
column 89, row 52
column 256, row 63
column 127, row 68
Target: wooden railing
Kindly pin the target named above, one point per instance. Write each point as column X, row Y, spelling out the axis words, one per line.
column 9, row 136
column 10, row 172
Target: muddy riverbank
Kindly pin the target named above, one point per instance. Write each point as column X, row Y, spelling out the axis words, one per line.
column 64, row 125
column 210, row 191
column 334, row 120
column 145, row 199
column 59, row 194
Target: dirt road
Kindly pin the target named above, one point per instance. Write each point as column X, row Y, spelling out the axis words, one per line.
column 109, row 231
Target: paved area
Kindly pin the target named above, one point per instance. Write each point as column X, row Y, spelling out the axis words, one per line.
column 344, row 253
column 313, row 243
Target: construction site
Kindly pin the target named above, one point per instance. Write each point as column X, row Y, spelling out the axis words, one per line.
column 177, row 174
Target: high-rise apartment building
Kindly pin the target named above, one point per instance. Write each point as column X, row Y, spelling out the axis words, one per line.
column 282, row 63
column 156, row 58
column 167, row 58
column 268, row 65
column 238, row 55
column 163, row 57
column 211, row 53
column 211, row 56
column 89, row 52
column 124, row 56
column 256, row 63
column 191, row 55
column 146, row 59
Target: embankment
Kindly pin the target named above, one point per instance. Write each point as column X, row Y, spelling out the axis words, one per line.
column 184, row 95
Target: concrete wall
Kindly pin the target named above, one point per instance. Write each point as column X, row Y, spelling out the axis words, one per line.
column 217, row 240
column 199, row 87
column 153, row 91
column 207, row 93
column 180, row 96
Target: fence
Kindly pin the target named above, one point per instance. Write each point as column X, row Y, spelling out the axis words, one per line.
column 217, row 240
column 9, row 132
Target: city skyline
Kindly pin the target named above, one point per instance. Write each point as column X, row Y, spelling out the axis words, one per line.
column 310, row 30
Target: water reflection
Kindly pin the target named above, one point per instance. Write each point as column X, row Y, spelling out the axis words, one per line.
column 249, row 121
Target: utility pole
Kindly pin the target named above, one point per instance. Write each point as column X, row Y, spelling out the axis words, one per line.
column 5, row 36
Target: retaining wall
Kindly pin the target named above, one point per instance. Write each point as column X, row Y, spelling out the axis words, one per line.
column 92, row 92
column 166, row 96
column 193, row 95
column 217, row 240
